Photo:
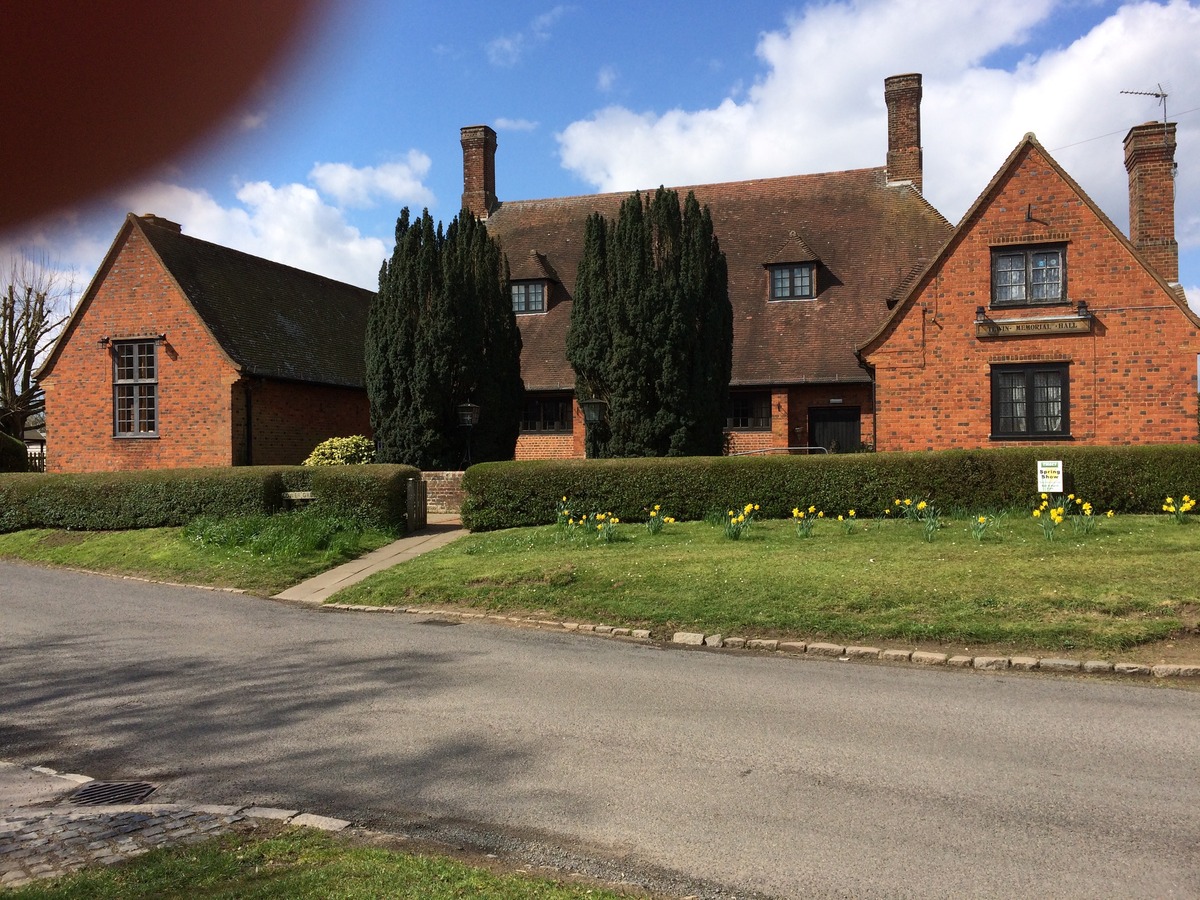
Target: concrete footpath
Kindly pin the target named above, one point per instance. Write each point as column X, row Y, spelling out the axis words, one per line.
column 45, row 833
column 442, row 529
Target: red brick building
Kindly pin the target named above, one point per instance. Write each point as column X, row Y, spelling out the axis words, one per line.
column 184, row 353
column 815, row 262
column 1039, row 321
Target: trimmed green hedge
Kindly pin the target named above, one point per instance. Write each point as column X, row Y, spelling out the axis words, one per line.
column 13, row 455
column 375, row 495
column 100, row 501
column 1126, row 479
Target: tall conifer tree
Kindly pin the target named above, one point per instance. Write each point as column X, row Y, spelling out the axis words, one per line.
column 652, row 329
column 440, row 333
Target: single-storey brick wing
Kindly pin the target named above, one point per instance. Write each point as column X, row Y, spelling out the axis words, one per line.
column 185, row 353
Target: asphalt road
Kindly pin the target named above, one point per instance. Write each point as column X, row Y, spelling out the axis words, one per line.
column 790, row 777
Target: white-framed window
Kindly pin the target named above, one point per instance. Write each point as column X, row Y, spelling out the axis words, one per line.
column 135, row 388
column 793, row 281
column 528, row 297
column 1029, row 276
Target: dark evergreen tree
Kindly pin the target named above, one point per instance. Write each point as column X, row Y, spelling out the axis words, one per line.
column 440, row 333
column 652, row 329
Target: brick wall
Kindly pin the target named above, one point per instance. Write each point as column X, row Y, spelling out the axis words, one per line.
column 289, row 419
column 444, row 493
column 1132, row 378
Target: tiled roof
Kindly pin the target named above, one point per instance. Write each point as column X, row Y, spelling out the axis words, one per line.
column 272, row 320
column 867, row 237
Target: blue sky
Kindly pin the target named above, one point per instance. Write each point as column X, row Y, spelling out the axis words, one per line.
column 587, row 96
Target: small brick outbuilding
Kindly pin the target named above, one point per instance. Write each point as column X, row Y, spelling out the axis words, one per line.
column 185, row 353
column 1040, row 322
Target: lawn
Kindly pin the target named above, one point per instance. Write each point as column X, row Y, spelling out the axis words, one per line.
column 298, row 864
column 1127, row 583
column 261, row 554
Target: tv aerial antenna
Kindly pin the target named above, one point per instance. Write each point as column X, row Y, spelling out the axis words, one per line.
column 1160, row 94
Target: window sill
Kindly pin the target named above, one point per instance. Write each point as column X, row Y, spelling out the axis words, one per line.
column 1052, row 438
column 136, row 437
column 1027, row 304
column 792, row 299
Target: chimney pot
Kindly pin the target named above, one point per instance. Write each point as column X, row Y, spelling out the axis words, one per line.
column 152, row 219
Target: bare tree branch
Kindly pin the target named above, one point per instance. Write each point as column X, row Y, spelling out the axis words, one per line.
column 35, row 298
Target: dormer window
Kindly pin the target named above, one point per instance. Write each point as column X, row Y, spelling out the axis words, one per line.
column 796, row 281
column 528, row 297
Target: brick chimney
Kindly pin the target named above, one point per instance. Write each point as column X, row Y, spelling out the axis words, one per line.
column 902, row 93
column 1150, row 162
column 479, row 170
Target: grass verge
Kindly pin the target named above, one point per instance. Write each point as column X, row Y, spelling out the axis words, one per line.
column 297, row 864
column 262, row 554
column 1125, row 584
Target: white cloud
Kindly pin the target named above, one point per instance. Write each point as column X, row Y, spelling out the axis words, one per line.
column 360, row 187
column 508, row 49
column 290, row 224
column 503, row 124
column 605, row 79
column 818, row 106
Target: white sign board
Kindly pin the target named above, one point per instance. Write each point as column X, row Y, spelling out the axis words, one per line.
column 1050, row 476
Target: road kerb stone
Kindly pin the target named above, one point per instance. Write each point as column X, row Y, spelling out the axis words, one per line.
column 1027, row 663
column 896, row 655
column 1131, row 669
column 960, row 662
column 792, row 646
column 1060, row 665
column 862, row 652
column 269, row 812
column 757, row 644
column 714, row 640
column 641, row 634
column 822, row 649
column 324, row 823
column 1175, row 671
column 690, row 638
column 1097, row 666
column 991, row 663
column 734, row 643
column 928, row 658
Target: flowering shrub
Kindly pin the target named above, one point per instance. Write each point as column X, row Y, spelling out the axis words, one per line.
column 1180, row 509
column 805, row 519
column 656, row 520
column 342, row 451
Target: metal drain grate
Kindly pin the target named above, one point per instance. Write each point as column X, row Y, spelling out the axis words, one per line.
column 443, row 623
column 104, row 793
